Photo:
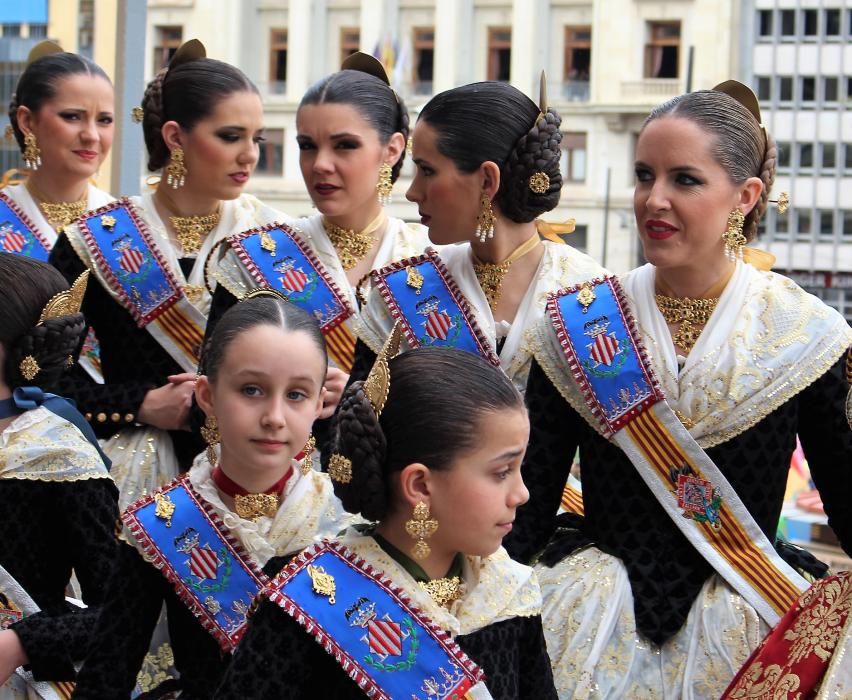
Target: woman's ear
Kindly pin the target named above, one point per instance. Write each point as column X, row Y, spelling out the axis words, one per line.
column 204, row 395
column 489, row 173
column 25, row 119
column 320, row 401
column 415, row 484
column 171, row 132
column 750, row 194
column 394, row 148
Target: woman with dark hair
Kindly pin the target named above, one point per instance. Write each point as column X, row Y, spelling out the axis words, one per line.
column 424, row 601
column 202, row 120
column 61, row 116
column 201, row 544
column 59, row 504
column 684, row 383
column 352, row 132
column 487, row 162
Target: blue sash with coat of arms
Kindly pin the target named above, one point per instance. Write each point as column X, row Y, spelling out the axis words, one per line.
column 18, row 235
column 186, row 541
column 421, row 294
column 370, row 628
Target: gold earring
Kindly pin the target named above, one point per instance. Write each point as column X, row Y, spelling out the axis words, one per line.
column 384, row 186
column 32, row 153
column 210, row 433
column 176, row 170
column 733, row 237
column 29, row 368
column 421, row 527
column 485, row 218
column 308, row 462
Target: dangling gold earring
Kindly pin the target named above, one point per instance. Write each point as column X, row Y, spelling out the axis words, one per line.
column 176, row 170
column 733, row 237
column 485, row 218
column 421, row 527
column 32, row 153
column 210, row 433
column 308, row 462
column 384, row 186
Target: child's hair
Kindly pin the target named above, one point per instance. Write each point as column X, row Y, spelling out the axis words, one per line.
column 261, row 308
column 27, row 286
column 437, row 399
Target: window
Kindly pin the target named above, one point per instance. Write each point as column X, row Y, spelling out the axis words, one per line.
column 785, row 89
column 573, row 163
column 846, row 231
column 168, row 40
column 807, row 89
column 788, row 23
column 782, row 225
column 499, row 53
column 803, row 224
column 826, row 223
column 829, row 89
column 578, row 238
column 783, row 155
column 10, row 30
column 38, row 31
column 764, row 88
column 849, row 88
column 809, row 22
column 832, row 22
column 271, row 160
column 424, row 59
column 806, row 155
column 278, row 61
column 764, row 23
column 350, row 41
column 662, row 52
column 828, row 156
column 847, row 157
column 578, row 62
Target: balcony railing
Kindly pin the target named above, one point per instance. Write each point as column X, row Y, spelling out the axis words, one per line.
column 651, row 89
column 575, row 90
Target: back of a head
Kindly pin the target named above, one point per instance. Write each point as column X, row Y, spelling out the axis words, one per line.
column 493, row 121
column 437, row 398
column 27, row 287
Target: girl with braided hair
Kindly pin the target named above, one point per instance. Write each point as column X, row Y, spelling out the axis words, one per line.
column 428, row 449
column 59, row 505
column 684, row 382
column 202, row 543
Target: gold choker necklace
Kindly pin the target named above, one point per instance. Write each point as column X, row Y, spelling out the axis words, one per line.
column 352, row 246
column 689, row 313
column 60, row 214
column 191, row 229
column 491, row 275
column 444, row 591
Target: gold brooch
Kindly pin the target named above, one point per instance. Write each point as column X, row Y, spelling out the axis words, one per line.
column 323, row 583
column 340, row 468
column 29, row 368
column 539, row 182
column 267, row 242
column 108, row 222
column 586, row 297
column 137, row 114
column 253, row 505
column 444, row 591
column 165, row 508
column 414, row 279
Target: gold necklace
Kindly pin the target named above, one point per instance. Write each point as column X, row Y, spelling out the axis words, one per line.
column 689, row 313
column 444, row 591
column 351, row 245
column 491, row 275
column 191, row 229
column 60, row 214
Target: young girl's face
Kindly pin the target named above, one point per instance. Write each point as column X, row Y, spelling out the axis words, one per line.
column 267, row 394
column 475, row 500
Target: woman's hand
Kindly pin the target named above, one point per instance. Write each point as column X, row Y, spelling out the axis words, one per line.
column 12, row 654
column 335, row 383
column 167, row 406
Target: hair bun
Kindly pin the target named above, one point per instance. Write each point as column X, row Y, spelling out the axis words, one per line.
column 51, row 343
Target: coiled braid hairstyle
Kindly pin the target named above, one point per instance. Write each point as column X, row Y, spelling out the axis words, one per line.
column 38, row 82
column 27, row 286
column 493, row 121
column 438, row 398
column 740, row 145
column 374, row 99
column 186, row 93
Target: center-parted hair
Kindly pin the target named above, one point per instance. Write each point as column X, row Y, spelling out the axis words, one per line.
column 438, row 399
column 493, row 121
column 269, row 309
column 374, row 99
column 186, row 93
column 27, row 286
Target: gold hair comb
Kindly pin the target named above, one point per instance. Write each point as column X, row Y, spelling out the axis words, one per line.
column 377, row 383
column 66, row 303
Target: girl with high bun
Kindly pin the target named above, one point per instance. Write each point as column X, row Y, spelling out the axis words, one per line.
column 684, row 382
column 62, row 118
column 424, row 602
column 59, row 505
column 202, row 120
column 205, row 542
column 487, row 162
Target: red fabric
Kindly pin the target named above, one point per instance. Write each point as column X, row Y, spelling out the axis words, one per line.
column 227, row 485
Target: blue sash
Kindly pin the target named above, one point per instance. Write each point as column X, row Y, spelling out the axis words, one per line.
column 423, row 297
column 275, row 257
column 18, row 235
column 208, row 568
column 370, row 628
